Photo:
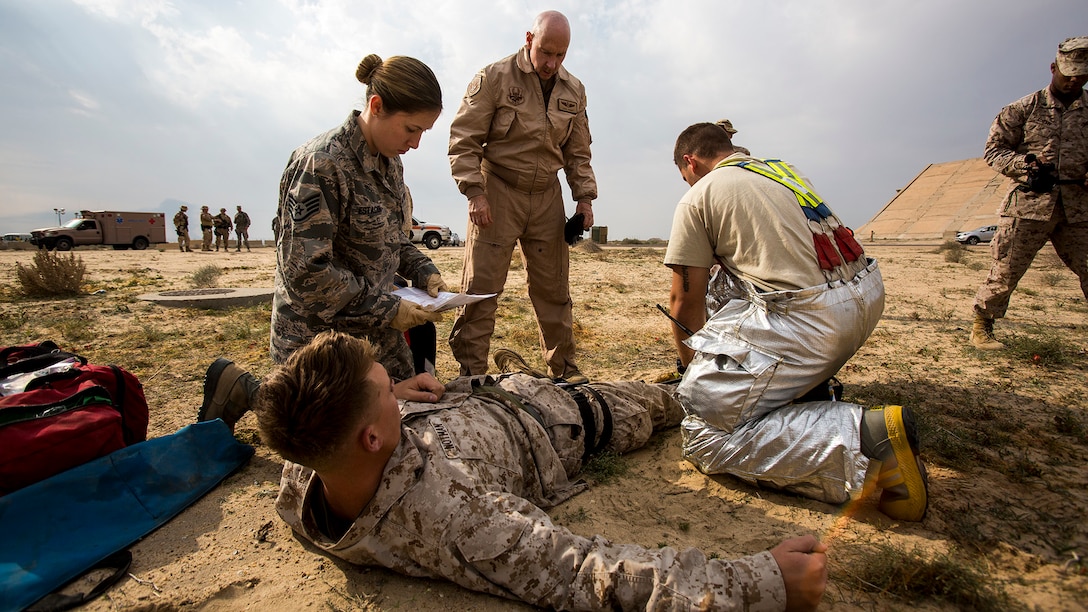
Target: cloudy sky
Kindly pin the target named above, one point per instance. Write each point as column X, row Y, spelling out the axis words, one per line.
column 140, row 104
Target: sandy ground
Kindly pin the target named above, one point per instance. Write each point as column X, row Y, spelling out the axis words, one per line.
column 1004, row 433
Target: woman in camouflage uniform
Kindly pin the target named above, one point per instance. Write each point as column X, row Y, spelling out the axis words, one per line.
column 338, row 228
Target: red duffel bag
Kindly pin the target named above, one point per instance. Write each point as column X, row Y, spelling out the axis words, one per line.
column 57, row 412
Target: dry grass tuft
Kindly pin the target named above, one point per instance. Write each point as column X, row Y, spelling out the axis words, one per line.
column 913, row 578
column 207, row 276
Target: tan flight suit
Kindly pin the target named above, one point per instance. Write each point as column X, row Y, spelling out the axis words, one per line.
column 462, row 499
column 505, row 145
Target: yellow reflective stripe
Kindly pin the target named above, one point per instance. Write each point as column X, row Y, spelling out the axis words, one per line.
column 805, row 197
column 784, row 168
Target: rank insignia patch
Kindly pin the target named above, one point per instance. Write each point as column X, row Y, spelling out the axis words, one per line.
column 300, row 211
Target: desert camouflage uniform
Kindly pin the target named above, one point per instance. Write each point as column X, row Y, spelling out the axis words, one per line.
column 222, row 230
column 181, row 224
column 339, row 244
column 1040, row 124
column 206, row 224
column 505, row 143
column 462, row 496
column 241, row 225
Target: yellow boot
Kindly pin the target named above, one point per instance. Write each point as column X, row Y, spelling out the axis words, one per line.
column 889, row 435
column 982, row 334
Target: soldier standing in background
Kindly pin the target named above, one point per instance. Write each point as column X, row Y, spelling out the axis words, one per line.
column 241, row 226
column 206, row 224
column 181, row 224
column 1041, row 142
column 727, row 125
column 222, row 230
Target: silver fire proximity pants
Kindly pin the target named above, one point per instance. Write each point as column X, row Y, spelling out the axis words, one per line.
column 758, row 353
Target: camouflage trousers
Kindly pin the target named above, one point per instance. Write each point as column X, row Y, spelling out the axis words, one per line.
column 243, row 238
column 183, row 240
column 1014, row 247
column 635, row 411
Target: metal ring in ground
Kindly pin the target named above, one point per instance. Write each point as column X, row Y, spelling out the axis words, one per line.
column 216, row 298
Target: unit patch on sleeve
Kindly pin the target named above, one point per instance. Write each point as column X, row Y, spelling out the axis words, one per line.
column 475, row 85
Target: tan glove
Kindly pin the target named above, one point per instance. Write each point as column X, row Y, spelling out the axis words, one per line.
column 410, row 315
column 435, row 284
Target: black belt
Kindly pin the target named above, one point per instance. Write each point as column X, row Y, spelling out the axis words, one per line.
column 585, row 410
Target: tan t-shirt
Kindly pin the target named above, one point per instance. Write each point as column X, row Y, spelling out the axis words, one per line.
column 753, row 224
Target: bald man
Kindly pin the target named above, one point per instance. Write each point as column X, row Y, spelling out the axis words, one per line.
column 521, row 120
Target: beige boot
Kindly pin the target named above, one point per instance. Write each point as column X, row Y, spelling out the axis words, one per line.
column 509, row 361
column 982, row 334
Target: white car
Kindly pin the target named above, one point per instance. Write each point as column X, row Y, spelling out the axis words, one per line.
column 977, row 235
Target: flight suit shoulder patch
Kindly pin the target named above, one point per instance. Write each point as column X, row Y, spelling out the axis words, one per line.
column 568, row 106
column 475, row 86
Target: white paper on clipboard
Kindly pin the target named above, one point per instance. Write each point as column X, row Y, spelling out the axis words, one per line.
column 446, row 300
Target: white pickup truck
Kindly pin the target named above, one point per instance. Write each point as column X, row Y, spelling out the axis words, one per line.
column 431, row 235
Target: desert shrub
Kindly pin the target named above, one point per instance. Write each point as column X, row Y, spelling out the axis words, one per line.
column 207, row 276
column 51, row 274
column 953, row 251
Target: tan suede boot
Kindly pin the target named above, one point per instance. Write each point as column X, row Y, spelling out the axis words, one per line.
column 982, row 334
column 509, row 361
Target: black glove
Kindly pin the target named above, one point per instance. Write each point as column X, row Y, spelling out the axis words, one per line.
column 573, row 230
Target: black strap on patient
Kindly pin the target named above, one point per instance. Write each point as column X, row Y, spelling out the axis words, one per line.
column 503, row 396
column 589, row 422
